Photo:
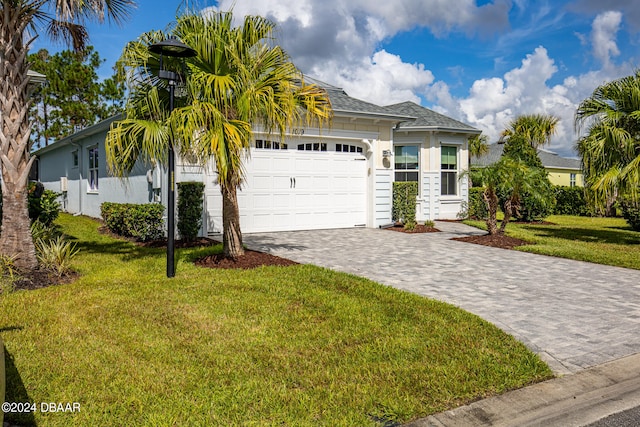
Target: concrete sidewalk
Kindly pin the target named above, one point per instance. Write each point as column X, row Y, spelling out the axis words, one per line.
column 573, row 400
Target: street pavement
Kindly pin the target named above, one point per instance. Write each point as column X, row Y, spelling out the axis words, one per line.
column 575, row 315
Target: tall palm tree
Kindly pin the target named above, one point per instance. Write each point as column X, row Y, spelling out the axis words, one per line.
column 19, row 21
column 537, row 129
column 611, row 150
column 237, row 80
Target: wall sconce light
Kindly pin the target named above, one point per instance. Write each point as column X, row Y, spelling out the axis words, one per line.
column 386, row 153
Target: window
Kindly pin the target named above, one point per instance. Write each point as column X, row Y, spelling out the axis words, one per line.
column 449, row 170
column 315, row 146
column 270, row 145
column 74, row 158
column 406, row 163
column 346, row 148
column 93, row 169
column 572, row 180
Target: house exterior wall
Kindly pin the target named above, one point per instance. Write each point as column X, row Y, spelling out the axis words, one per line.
column 57, row 164
column 563, row 177
column 431, row 204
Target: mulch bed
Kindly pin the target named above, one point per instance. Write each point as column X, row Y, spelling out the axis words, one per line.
column 420, row 228
column 250, row 259
column 37, row 279
column 496, row 241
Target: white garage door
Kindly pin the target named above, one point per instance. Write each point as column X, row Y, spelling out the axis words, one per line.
column 296, row 190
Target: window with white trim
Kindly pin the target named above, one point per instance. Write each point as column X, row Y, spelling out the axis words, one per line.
column 572, row 180
column 313, row 146
column 93, row 169
column 74, row 158
column 406, row 162
column 271, row 145
column 448, row 170
column 346, row 148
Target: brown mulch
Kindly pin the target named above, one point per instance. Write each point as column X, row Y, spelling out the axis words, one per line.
column 420, row 228
column 38, row 278
column 250, row 259
column 496, row 241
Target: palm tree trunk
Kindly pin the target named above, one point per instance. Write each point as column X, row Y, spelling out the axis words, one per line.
column 508, row 211
column 491, row 201
column 15, row 160
column 232, row 237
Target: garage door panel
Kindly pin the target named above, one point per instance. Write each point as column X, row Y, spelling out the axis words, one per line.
column 296, row 190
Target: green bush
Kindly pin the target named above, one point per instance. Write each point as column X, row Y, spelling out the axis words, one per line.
column 570, row 201
column 190, row 207
column 404, row 202
column 142, row 222
column 631, row 212
column 43, row 204
column 475, row 208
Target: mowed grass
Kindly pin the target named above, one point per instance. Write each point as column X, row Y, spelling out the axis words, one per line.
column 293, row 346
column 607, row 241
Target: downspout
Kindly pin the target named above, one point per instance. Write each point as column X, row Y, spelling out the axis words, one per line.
column 80, row 165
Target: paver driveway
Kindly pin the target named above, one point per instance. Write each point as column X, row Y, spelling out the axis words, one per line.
column 573, row 314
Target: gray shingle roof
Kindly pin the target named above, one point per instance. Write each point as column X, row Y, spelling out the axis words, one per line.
column 343, row 103
column 428, row 119
column 548, row 159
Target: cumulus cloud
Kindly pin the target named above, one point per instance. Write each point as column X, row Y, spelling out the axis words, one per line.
column 339, row 41
column 603, row 36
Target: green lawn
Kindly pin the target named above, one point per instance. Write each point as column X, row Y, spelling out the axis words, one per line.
column 607, row 241
column 294, row 346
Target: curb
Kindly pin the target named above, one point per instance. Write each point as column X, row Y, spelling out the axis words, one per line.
column 572, row 400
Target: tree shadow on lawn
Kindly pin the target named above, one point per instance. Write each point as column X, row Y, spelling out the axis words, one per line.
column 16, row 392
column 613, row 235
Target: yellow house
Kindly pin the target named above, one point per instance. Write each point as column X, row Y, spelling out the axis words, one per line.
column 562, row 170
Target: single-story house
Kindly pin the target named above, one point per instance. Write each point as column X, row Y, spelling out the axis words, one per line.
column 562, row 170
column 337, row 177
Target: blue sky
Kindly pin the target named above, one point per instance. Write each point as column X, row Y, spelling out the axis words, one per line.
column 481, row 62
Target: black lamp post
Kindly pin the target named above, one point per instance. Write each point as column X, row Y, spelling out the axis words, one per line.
column 175, row 48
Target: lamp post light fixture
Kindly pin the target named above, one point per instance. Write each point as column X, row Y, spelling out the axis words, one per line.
column 174, row 48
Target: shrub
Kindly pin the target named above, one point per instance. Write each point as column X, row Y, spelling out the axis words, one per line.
column 404, row 202
column 190, row 198
column 43, row 204
column 631, row 212
column 44, row 232
column 8, row 273
column 143, row 222
column 570, row 201
column 475, row 208
column 56, row 254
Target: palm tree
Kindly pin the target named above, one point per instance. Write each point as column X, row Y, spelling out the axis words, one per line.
column 62, row 20
column 515, row 179
column 238, row 79
column 611, row 150
column 537, row 129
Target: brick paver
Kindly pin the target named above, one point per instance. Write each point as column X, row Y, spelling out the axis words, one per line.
column 573, row 314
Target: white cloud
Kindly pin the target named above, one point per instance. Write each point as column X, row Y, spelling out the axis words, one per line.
column 603, row 36
column 383, row 80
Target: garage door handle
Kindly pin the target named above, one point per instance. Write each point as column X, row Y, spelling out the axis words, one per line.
column 294, row 182
column 290, row 182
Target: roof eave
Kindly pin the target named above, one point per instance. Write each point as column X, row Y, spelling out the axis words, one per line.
column 390, row 117
column 439, row 129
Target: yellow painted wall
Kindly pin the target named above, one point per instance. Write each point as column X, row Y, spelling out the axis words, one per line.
column 563, row 177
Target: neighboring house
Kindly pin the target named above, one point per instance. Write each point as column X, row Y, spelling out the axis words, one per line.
column 562, row 170
column 336, row 177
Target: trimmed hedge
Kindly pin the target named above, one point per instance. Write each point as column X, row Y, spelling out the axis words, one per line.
column 570, row 201
column 631, row 212
column 190, row 198
column 143, row 222
column 404, row 202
